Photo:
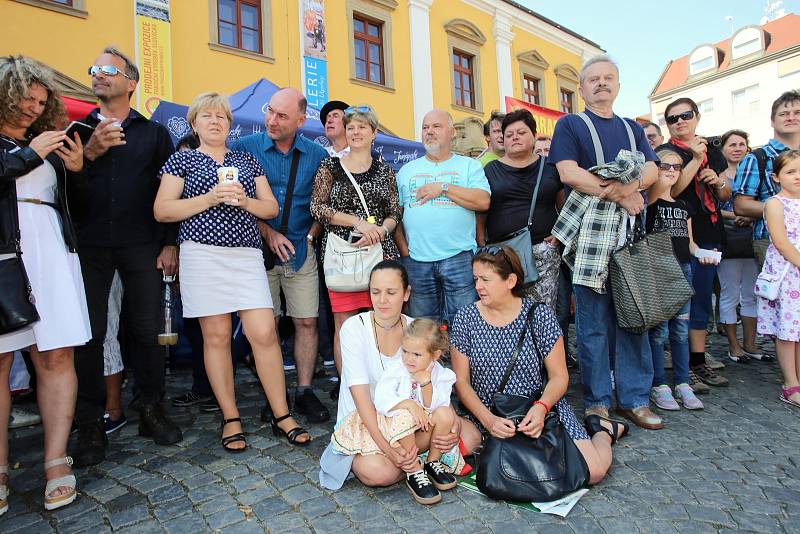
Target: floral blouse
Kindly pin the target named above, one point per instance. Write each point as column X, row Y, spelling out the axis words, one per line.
column 334, row 192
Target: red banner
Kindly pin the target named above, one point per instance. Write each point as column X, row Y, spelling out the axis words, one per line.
column 545, row 118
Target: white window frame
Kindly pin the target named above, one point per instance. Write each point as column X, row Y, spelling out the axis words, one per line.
column 703, row 54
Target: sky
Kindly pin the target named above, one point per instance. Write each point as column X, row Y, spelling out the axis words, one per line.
column 631, row 32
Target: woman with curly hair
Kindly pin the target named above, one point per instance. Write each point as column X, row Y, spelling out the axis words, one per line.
column 35, row 161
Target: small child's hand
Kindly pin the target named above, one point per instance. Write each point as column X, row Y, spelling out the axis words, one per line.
column 419, row 415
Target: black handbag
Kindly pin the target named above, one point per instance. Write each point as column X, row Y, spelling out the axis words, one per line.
column 17, row 306
column 521, row 240
column 525, row 469
column 648, row 286
column 269, row 256
column 737, row 242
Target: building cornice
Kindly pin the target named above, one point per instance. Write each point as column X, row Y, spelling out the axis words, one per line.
column 734, row 69
column 537, row 25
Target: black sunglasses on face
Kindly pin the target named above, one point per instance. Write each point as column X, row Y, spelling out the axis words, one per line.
column 107, row 70
column 686, row 115
column 670, row 166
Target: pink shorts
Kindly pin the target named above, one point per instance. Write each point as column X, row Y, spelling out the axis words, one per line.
column 347, row 302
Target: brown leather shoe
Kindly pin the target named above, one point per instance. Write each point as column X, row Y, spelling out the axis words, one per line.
column 600, row 411
column 643, row 417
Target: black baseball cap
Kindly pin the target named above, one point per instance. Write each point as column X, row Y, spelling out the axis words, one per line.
column 330, row 106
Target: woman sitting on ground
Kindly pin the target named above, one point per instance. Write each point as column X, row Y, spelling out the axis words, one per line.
column 483, row 337
column 371, row 344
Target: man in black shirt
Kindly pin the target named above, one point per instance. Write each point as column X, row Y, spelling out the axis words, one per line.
column 117, row 231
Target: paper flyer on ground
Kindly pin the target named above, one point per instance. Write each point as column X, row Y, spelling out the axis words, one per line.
column 560, row 507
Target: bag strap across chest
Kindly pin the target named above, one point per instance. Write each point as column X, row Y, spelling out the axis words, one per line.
column 518, row 348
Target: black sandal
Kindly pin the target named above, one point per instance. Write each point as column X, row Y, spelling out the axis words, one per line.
column 618, row 428
column 233, row 438
column 291, row 435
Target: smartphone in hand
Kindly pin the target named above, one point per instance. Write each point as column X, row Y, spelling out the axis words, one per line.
column 84, row 132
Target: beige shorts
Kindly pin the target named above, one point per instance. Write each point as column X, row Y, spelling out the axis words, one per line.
column 301, row 288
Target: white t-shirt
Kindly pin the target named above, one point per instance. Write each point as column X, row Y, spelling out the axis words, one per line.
column 361, row 361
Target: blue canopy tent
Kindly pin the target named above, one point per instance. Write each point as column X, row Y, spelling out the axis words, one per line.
column 249, row 106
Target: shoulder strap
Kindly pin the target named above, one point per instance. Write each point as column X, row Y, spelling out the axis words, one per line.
column 518, row 348
column 630, row 134
column 761, row 159
column 598, row 146
column 287, row 201
column 536, row 189
column 356, row 186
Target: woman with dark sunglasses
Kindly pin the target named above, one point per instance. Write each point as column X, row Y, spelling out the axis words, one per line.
column 701, row 187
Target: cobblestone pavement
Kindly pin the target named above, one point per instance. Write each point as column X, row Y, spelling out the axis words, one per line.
column 733, row 467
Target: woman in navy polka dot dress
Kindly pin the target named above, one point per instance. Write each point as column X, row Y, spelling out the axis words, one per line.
column 218, row 196
column 484, row 335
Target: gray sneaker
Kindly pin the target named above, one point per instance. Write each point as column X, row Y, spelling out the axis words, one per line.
column 20, row 418
column 685, row 396
column 713, row 363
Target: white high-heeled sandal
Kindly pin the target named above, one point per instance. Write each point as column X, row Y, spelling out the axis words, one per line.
column 4, row 491
column 67, row 481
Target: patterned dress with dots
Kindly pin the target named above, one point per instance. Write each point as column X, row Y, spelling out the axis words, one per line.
column 489, row 349
column 781, row 317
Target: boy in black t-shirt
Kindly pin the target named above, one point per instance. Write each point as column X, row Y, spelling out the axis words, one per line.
column 665, row 214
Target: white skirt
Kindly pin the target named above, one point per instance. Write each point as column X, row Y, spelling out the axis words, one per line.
column 217, row 280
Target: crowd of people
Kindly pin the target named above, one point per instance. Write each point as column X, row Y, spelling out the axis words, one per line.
column 459, row 266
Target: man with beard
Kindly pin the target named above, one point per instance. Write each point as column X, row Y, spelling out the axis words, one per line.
column 440, row 193
column 113, row 211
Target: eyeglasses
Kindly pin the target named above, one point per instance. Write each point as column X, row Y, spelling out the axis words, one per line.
column 358, row 109
column 686, row 115
column 107, row 70
column 670, row 166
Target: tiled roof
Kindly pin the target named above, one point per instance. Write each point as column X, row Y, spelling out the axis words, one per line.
column 781, row 33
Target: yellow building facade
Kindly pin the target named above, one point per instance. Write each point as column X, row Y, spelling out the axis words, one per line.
column 504, row 48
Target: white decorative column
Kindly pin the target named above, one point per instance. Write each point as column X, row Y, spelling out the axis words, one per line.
column 421, row 70
column 502, row 44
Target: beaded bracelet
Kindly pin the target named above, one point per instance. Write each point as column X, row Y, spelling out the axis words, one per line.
column 546, row 407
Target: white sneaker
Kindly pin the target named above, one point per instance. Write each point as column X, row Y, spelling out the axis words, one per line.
column 20, row 418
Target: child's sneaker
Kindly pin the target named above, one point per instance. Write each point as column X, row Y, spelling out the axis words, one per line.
column 421, row 488
column 685, row 395
column 662, row 397
column 437, row 473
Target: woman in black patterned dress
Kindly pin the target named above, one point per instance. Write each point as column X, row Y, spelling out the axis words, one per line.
column 484, row 335
column 335, row 204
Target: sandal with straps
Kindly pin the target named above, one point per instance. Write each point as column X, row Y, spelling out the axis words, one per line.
column 291, row 435
column 66, row 481
column 233, row 438
column 618, row 428
column 4, row 490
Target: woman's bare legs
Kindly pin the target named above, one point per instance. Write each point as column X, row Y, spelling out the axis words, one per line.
column 6, row 359
column 259, row 327
column 56, row 392
column 376, row 470
column 219, row 368
column 338, row 320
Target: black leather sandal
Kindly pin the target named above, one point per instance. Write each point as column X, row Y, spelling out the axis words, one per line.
column 618, row 428
column 233, row 438
column 291, row 435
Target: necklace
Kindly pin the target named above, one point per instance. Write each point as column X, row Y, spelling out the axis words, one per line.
column 387, row 328
column 375, row 333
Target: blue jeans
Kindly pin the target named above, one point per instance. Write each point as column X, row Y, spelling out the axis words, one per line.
column 440, row 288
column 703, row 284
column 601, row 341
column 678, row 329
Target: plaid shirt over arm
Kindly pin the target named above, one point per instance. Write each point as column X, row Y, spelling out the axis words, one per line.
column 589, row 227
column 749, row 182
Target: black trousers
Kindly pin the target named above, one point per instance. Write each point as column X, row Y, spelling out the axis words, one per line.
column 141, row 283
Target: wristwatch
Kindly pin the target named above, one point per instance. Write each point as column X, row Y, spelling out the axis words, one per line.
column 310, row 238
column 445, row 187
column 722, row 186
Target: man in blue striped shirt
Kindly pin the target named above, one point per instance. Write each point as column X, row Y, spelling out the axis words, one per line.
column 754, row 186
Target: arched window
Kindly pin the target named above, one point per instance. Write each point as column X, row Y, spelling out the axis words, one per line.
column 747, row 41
column 703, row 58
